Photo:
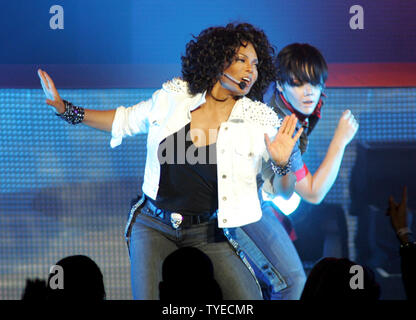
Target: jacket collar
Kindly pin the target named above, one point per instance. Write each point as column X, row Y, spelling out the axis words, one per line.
column 200, row 99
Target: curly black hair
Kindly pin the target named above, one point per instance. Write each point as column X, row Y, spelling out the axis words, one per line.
column 215, row 48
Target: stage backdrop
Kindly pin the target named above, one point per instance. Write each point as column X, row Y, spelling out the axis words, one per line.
column 132, row 43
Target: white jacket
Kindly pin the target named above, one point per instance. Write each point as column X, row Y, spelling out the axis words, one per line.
column 241, row 149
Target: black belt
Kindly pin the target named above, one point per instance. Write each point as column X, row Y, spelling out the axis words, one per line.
column 175, row 219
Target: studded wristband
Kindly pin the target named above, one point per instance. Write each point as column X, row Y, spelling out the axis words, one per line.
column 281, row 170
column 72, row 114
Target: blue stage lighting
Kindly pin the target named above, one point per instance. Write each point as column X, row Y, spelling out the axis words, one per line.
column 286, row 206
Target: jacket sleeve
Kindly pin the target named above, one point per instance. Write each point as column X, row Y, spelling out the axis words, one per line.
column 132, row 120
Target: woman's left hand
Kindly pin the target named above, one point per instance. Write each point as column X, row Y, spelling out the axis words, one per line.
column 281, row 147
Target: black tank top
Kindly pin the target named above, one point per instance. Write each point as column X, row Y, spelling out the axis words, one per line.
column 188, row 175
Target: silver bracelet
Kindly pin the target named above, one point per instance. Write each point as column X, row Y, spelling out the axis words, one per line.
column 72, row 114
column 281, row 170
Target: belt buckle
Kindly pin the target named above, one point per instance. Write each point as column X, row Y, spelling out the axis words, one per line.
column 176, row 219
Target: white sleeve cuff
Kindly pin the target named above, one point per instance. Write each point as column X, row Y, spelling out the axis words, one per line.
column 116, row 130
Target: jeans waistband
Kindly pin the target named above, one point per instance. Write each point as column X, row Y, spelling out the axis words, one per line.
column 176, row 219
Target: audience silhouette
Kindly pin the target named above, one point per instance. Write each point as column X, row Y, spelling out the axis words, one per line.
column 399, row 218
column 35, row 290
column 330, row 279
column 82, row 281
column 188, row 275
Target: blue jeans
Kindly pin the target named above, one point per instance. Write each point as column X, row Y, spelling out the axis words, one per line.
column 151, row 241
column 270, row 237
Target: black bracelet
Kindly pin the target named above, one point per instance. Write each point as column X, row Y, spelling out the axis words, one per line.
column 281, row 170
column 72, row 114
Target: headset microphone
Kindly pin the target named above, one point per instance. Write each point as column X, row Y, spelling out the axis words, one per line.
column 241, row 84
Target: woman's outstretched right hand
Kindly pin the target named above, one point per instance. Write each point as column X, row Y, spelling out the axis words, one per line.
column 52, row 95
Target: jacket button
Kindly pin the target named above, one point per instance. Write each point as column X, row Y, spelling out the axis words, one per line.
column 226, row 128
column 224, row 220
column 224, row 176
column 224, row 198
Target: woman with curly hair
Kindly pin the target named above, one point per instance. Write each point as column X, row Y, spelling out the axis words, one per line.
column 207, row 140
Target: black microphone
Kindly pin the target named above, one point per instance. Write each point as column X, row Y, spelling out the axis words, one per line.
column 241, row 84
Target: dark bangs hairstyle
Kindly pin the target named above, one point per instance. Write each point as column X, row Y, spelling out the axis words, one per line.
column 297, row 64
column 301, row 62
column 215, row 48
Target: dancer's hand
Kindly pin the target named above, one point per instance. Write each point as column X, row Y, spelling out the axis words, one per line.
column 52, row 95
column 281, row 147
column 347, row 128
column 398, row 212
